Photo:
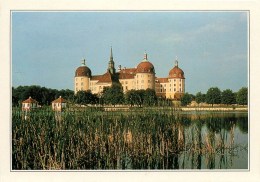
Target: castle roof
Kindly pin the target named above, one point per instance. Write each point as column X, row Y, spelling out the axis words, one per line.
column 105, row 78
column 176, row 72
column 127, row 73
column 145, row 66
column 83, row 70
column 162, row 80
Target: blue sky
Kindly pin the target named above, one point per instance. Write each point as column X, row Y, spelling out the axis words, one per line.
column 212, row 47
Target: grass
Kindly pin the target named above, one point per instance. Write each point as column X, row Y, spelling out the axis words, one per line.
column 114, row 140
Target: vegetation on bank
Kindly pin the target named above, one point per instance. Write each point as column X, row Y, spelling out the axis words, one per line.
column 131, row 140
column 114, row 95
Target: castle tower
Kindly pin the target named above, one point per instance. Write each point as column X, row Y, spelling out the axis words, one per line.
column 82, row 77
column 145, row 74
column 176, row 82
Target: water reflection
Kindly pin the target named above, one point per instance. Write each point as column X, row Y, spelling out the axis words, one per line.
column 192, row 142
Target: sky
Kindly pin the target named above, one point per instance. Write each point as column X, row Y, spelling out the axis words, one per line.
column 211, row 46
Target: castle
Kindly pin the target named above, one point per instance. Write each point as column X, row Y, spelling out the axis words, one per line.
column 140, row 77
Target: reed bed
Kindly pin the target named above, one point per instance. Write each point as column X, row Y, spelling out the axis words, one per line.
column 74, row 140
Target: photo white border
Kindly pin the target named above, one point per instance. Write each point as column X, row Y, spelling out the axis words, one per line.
column 63, row 5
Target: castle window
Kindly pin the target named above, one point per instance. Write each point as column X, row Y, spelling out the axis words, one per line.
column 161, row 90
column 142, row 86
column 76, row 84
column 170, row 89
column 174, row 89
column 174, row 80
column 142, row 81
column 149, row 81
column 126, row 82
column 81, row 83
column 81, row 79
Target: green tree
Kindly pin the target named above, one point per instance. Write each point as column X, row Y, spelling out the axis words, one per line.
column 228, row 97
column 43, row 95
column 150, row 98
column 213, row 96
column 131, row 97
column 113, row 95
column 186, row 99
column 242, row 96
column 199, row 98
column 140, row 97
column 84, row 97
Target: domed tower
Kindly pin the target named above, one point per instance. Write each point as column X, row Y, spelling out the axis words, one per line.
column 145, row 75
column 82, row 77
column 177, row 82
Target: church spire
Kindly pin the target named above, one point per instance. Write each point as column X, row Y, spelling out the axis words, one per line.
column 111, row 54
column 111, row 64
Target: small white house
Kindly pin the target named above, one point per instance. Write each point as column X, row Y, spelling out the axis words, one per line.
column 59, row 104
column 29, row 104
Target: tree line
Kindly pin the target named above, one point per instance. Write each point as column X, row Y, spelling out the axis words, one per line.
column 114, row 95
column 215, row 96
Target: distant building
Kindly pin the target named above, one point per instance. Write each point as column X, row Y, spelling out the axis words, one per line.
column 29, row 104
column 59, row 104
column 140, row 77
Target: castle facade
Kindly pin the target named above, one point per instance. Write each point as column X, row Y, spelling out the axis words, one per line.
column 141, row 77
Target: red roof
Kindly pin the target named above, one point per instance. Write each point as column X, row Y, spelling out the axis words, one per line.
column 176, row 72
column 162, row 80
column 128, row 70
column 127, row 73
column 83, row 71
column 105, row 78
column 96, row 77
column 59, row 100
column 145, row 67
column 29, row 100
